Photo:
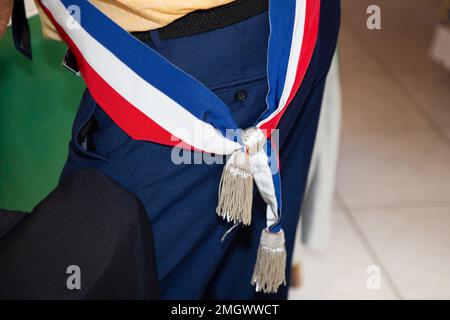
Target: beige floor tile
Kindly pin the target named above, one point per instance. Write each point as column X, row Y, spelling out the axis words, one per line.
column 339, row 272
column 405, row 25
column 354, row 57
column 432, row 92
column 403, row 46
column 414, row 247
column 371, row 99
column 404, row 41
column 394, row 168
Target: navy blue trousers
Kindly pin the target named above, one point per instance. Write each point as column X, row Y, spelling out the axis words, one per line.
column 180, row 200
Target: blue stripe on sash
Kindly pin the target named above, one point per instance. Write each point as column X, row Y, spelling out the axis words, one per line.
column 272, row 156
column 281, row 27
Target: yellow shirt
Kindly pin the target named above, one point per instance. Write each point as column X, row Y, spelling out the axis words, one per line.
column 141, row 15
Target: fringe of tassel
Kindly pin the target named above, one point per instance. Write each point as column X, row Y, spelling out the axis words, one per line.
column 236, row 183
column 236, row 190
column 270, row 267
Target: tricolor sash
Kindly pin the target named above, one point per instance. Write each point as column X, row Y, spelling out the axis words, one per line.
column 153, row 100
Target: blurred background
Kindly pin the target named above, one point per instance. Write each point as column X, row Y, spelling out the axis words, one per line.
column 34, row 125
column 376, row 217
column 391, row 205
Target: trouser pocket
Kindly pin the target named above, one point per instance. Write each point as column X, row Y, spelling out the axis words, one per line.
column 246, row 99
column 94, row 134
column 84, row 129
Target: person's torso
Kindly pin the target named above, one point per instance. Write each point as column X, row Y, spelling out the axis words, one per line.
column 141, row 15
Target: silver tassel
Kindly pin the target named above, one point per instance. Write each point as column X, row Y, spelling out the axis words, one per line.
column 270, row 267
column 236, row 183
column 236, row 190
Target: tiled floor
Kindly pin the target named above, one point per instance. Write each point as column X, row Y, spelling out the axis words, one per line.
column 393, row 185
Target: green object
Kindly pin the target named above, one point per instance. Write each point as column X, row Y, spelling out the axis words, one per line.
column 38, row 101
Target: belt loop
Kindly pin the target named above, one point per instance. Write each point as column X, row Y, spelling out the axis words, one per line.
column 156, row 39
